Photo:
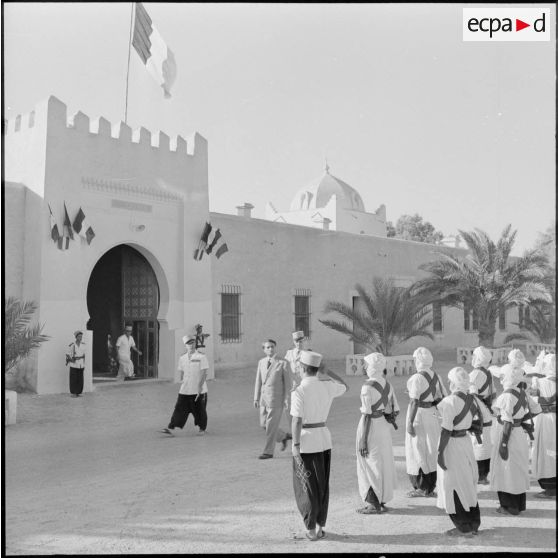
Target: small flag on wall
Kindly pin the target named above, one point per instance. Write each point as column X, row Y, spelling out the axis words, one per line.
column 82, row 227
column 67, row 233
column 54, row 232
column 198, row 254
column 153, row 51
column 216, row 238
column 221, row 250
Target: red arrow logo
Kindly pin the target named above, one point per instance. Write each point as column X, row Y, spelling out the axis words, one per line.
column 519, row 25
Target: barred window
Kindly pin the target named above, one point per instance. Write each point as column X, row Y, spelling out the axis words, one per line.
column 230, row 314
column 524, row 315
column 437, row 324
column 302, row 311
column 502, row 317
column 470, row 318
column 475, row 320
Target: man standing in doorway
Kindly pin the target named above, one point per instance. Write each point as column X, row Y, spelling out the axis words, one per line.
column 192, row 396
column 125, row 344
column 271, row 393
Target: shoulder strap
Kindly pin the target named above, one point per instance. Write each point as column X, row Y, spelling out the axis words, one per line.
column 432, row 383
column 488, row 382
column 384, row 392
column 521, row 399
column 468, row 401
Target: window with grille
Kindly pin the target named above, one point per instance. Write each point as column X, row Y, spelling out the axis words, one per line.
column 470, row 319
column 502, row 317
column 524, row 315
column 230, row 314
column 437, row 324
column 302, row 311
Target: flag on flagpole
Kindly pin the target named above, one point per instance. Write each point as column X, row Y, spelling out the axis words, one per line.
column 153, row 51
column 198, row 254
column 82, row 227
column 216, row 237
column 54, row 232
column 221, row 250
column 67, row 233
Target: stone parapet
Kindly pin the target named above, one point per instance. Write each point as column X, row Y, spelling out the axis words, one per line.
column 402, row 365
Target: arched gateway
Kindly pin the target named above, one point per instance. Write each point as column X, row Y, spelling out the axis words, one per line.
column 123, row 288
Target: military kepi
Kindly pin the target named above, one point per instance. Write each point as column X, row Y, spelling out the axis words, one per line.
column 310, row 358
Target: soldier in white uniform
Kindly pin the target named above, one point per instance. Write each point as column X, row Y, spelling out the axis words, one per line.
column 125, row 344
column 310, row 404
column 76, row 358
column 375, row 464
column 457, row 467
column 543, row 456
column 423, row 425
column 509, row 470
column 482, row 384
column 292, row 356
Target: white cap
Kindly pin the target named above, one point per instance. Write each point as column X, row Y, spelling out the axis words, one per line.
column 188, row 338
column 511, row 376
column 376, row 362
column 298, row 335
column 423, row 358
column 310, row 358
column 481, row 357
column 459, row 378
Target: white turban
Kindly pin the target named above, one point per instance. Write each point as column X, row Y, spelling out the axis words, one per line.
column 481, row 357
column 549, row 365
column 376, row 362
column 423, row 359
column 516, row 358
column 459, row 378
column 511, row 376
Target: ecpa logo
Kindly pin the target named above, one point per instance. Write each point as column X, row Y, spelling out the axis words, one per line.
column 506, row 24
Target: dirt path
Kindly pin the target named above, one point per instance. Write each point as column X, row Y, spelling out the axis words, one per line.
column 92, row 475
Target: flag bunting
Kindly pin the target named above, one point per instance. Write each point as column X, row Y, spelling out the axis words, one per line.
column 198, row 254
column 83, row 228
column 67, row 233
column 54, row 232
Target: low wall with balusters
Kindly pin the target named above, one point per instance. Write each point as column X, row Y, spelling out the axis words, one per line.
column 499, row 355
column 402, row 365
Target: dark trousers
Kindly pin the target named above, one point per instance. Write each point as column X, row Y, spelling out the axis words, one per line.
column 311, row 487
column 484, row 468
column 514, row 503
column 549, row 484
column 372, row 499
column 186, row 404
column 424, row 481
column 76, row 380
column 465, row 521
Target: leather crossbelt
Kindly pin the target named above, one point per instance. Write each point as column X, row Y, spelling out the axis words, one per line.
column 458, row 433
column 516, row 422
column 425, row 404
column 314, row 425
column 376, row 414
column 548, row 408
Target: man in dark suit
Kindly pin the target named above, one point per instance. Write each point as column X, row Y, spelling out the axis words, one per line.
column 271, row 395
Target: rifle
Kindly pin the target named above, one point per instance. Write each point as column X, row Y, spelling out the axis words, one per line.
column 390, row 417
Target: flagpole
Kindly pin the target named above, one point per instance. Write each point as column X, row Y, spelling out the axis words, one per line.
column 128, row 69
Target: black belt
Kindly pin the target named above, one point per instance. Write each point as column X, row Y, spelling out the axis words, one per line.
column 548, row 409
column 516, row 422
column 489, row 423
column 425, row 404
column 458, row 433
column 375, row 414
column 314, row 425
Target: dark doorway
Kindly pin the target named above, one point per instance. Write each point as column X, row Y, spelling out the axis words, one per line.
column 123, row 289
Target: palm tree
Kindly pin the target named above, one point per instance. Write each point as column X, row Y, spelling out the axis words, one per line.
column 389, row 317
column 20, row 338
column 486, row 280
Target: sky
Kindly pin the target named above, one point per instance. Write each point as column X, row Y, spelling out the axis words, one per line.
column 404, row 110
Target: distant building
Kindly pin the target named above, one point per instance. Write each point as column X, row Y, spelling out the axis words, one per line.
column 146, row 198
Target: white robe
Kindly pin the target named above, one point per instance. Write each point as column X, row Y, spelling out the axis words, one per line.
column 484, row 451
column 462, row 473
column 421, row 451
column 512, row 475
column 543, row 455
column 377, row 469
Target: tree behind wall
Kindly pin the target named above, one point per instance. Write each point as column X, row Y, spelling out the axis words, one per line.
column 389, row 317
column 20, row 338
column 486, row 279
column 414, row 227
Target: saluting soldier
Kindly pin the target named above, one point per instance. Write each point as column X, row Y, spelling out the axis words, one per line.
column 423, row 426
column 482, row 384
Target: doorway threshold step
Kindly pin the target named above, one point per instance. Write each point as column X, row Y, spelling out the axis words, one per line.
column 109, row 383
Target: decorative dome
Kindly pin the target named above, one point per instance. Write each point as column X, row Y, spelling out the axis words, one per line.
column 318, row 193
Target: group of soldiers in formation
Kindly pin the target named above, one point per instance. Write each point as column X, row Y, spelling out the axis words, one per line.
column 474, row 433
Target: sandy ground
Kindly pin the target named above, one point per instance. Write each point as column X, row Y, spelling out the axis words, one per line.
column 92, row 475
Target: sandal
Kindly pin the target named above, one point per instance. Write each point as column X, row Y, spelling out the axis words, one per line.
column 416, row 493
column 369, row 510
column 322, row 534
column 310, row 537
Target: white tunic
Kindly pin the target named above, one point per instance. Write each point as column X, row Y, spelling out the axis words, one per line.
column 311, row 402
column 192, row 367
column 421, row 451
column 462, row 473
column 543, row 455
column 292, row 356
column 484, row 451
column 512, row 475
column 377, row 469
